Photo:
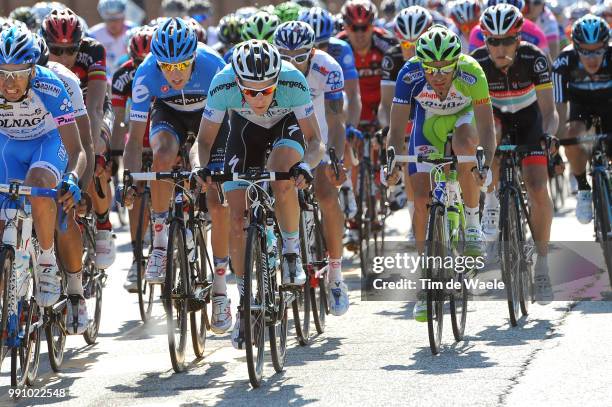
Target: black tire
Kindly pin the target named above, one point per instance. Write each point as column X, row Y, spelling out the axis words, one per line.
column 145, row 290
column 56, row 334
column 277, row 332
column 254, row 317
column 459, row 297
column 199, row 319
column 318, row 287
column 301, row 305
column 435, row 246
column 92, row 287
column 176, row 288
column 364, row 217
column 6, row 262
column 511, row 253
column 380, row 216
column 602, row 196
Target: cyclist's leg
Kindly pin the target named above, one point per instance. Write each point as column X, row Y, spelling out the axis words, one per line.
column 579, row 123
column 288, row 150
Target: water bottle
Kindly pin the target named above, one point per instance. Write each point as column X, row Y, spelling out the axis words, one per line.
column 9, row 237
column 271, row 246
column 21, row 270
column 191, row 254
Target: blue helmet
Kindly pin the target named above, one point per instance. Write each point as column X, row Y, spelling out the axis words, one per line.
column 111, row 8
column 590, row 29
column 174, row 41
column 294, row 35
column 519, row 4
column 18, row 46
column 321, row 21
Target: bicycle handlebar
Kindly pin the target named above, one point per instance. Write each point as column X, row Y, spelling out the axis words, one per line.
column 15, row 190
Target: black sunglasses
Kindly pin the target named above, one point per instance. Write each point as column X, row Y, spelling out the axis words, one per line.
column 60, row 50
column 506, row 41
column 359, row 28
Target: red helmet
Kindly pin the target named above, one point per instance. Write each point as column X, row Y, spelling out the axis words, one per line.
column 358, row 12
column 199, row 30
column 140, row 43
column 62, row 27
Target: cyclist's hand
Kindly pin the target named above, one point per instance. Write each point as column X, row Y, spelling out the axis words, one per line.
column 202, row 176
column 331, row 175
column 550, row 141
column 101, row 165
column 129, row 196
column 70, row 192
column 352, row 133
column 302, row 174
column 84, row 205
column 482, row 178
column 390, row 179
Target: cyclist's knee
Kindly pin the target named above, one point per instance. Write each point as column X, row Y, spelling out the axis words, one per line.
column 41, row 177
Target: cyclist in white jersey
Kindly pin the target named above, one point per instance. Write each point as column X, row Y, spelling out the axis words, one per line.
column 295, row 41
column 112, row 32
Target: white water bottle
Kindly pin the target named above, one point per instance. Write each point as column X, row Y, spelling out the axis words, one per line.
column 190, row 245
column 9, row 216
column 21, row 270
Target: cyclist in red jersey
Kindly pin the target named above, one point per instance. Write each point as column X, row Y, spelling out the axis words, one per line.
column 86, row 57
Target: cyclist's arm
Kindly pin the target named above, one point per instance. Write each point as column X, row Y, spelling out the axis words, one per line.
column 400, row 114
column 384, row 109
column 335, row 125
column 562, row 112
column 546, row 102
column 95, row 108
column 353, row 97
column 553, row 47
column 132, row 156
column 483, row 113
column 86, row 141
column 72, row 143
column 312, row 136
column 205, row 140
column 560, row 82
column 119, row 128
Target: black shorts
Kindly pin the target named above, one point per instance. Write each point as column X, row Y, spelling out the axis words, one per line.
column 179, row 124
column 583, row 113
column 248, row 144
column 524, row 127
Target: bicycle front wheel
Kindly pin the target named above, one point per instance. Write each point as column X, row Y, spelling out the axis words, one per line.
column 435, row 248
column 175, row 295
column 318, row 287
column 254, row 303
column 459, row 297
column 92, row 287
column 199, row 318
column 6, row 262
column 301, row 305
column 511, row 253
column 144, row 228
column 364, row 216
column 603, row 217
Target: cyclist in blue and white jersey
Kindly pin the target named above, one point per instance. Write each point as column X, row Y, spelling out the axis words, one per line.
column 295, row 41
column 177, row 74
column 40, row 146
column 271, row 108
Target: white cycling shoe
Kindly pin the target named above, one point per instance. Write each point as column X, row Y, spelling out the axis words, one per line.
column 49, row 285
column 584, row 207
column 156, row 266
column 105, row 249
column 221, row 314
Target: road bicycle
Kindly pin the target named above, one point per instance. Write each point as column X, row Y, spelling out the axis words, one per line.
column 445, row 237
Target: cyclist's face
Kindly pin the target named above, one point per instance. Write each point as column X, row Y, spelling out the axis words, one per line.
column 303, row 57
column 115, row 26
column 260, row 103
column 440, row 82
column 66, row 59
column 13, row 87
column 592, row 62
column 360, row 36
column 178, row 78
column 503, row 54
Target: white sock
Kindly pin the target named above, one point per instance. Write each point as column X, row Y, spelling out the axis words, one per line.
column 291, row 242
column 541, row 265
column 335, row 270
column 410, row 206
column 472, row 219
column 74, row 283
column 219, row 282
column 491, row 200
column 47, row 257
column 160, row 230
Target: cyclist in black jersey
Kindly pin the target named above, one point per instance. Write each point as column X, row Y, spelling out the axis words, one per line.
column 582, row 76
column 520, row 85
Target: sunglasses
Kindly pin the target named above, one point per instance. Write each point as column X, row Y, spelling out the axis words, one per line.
column 61, row 50
column 445, row 70
column 406, row 44
column 20, row 74
column 506, row 41
column 298, row 59
column 359, row 28
column 591, row 54
column 255, row 92
column 179, row 66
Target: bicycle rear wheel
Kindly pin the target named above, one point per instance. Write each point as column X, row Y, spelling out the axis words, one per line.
column 6, row 262
column 55, row 332
column 145, row 290
column 603, row 217
column 364, row 216
column 511, row 252
column 25, row 357
column 459, row 297
column 175, row 295
column 92, row 287
column 301, row 305
column 254, row 303
column 199, row 319
column 277, row 331
column 318, row 285
column 435, row 248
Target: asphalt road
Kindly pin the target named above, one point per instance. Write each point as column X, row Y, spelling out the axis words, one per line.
column 375, row 355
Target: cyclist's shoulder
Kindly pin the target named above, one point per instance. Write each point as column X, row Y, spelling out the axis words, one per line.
column 470, row 72
column 467, row 63
column 323, row 59
column 61, row 71
column 339, row 43
column 382, row 39
column 528, row 52
column 47, row 83
column 96, row 30
column 566, row 58
column 394, row 52
column 481, row 55
column 223, row 82
column 290, row 77
column 208, row 53
column 411, row 73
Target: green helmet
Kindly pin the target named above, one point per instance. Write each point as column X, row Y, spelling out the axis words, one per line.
column 288, row 11
column 269, row 8
column 260, row 26
column 438, row 44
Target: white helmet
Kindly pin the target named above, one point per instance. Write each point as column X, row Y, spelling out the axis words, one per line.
column 411, row 22
column 402, row 4
column 256, row 61
column 501, row 19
